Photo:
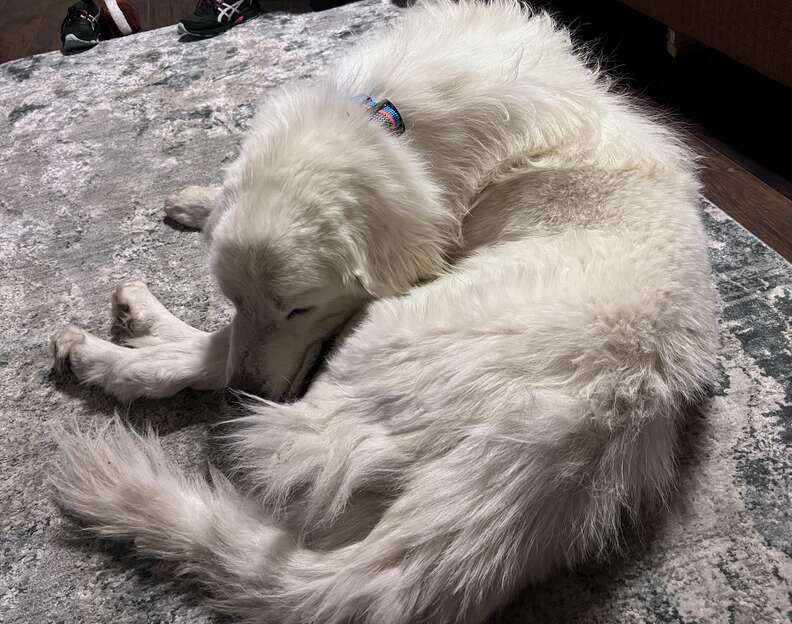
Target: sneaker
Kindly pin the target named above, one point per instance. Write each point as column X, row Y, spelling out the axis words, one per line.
column 80, row 28
column 211, row 17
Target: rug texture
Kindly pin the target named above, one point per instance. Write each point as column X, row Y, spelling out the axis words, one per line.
column 91, row 144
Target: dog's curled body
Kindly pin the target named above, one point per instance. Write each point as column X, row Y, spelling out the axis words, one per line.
column 487, row 427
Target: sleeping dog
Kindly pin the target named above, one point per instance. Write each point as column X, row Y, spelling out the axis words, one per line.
column 513, row 257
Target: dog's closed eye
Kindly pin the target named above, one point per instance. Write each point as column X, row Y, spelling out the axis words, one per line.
column 297, row 312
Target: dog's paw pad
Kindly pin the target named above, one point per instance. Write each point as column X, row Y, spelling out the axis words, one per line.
column 62, row 343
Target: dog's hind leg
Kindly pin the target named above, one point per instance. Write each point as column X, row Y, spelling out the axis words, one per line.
column 471, row 526
column 299, row 452
column 155, row 372
column 140, row 320
column 193, row 205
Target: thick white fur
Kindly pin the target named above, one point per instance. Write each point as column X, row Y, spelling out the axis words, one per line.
column 471, row 434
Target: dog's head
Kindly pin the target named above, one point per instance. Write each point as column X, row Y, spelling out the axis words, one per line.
column 318, row 216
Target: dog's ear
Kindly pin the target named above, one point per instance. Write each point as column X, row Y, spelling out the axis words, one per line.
column 397, row 231
column 391, row 264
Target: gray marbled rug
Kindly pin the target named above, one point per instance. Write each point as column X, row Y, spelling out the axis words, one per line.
column 89, row 147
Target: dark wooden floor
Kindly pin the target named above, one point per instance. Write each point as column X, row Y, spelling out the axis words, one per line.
column 745, row 198
column 738, row 120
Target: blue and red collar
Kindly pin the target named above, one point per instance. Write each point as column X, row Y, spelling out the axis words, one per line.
column 384, row 113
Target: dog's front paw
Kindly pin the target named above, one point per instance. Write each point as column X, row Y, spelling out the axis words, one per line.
column 191, row 206
column 62, row 344
column 135, row 311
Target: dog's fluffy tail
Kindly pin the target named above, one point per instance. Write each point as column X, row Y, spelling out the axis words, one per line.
column 120, row 486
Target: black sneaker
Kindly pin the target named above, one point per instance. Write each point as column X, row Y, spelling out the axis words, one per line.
column 80, row 29
column 211, row 17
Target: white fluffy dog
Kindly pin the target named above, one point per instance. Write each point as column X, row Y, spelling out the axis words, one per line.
column 541, row 315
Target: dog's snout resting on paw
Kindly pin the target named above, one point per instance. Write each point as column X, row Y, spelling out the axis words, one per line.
column 519, row 293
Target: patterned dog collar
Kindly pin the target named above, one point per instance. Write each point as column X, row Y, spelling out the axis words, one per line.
column 385, row 114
